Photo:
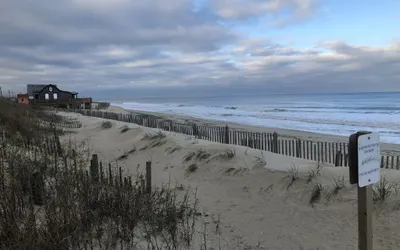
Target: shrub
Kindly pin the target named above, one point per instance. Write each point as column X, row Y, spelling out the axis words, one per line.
column 172, row 150
column 106, row 125
column 158, row 135
column 202, row 154
column 228, row 154
column 316, row 191
column 192, row 168
column 292, row 175
column 338, row 184
column 261, row 160
column 382, row 190
column 189, row 156
column 125, row 129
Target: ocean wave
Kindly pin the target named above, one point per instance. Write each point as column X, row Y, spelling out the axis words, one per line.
column 326, row 118
column 184, row 105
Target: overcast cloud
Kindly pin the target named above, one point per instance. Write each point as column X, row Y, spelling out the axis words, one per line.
column 118, row 45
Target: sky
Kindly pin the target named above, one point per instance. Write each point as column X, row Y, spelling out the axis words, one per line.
column 153, row 47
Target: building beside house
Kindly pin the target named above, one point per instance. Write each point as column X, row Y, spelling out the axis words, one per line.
column 51, row 95
column 23, row 98
column 100, row 105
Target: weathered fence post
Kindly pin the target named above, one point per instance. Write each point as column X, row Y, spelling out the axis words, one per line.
column 338, row 159
column 58, row 144
column 94, row 168
column 120, row 176
column 148, row 177
column 37, row 187
column 298, row 148
column 101, row 173
column 226, row 134
column 110, row 176
column 195, row 131
column 275, row 142
column 75, row 163
column 382, row 161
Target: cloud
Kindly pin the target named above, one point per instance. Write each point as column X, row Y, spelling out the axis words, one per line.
column 299, row 10
column 81, row 23
column 106, row 45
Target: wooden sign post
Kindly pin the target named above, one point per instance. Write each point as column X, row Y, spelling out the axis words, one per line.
column 364, row 170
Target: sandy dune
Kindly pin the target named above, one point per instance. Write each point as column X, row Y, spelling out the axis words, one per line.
column 253, row 201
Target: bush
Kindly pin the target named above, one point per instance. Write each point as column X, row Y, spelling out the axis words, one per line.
column 124, row 129
column 292, row 175
column 192, row 168
column 260, row 160
column 106, row 124
column 316, row 192
column 228, row 154
column 338, row 184
column 202, row 154
column 159, row 135
column 189, row 156
column 382, row 190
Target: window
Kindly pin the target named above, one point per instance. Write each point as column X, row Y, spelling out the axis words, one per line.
column 55, row 96
column 46, row 96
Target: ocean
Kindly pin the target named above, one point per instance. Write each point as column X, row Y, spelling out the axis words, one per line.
column 332, row 114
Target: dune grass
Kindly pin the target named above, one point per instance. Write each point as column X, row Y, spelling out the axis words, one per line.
column 316, row 193
column 50, row 201
column 383, row 190
column 292, row 175
column 339, row 183
column 106, row 125
column 124, row 129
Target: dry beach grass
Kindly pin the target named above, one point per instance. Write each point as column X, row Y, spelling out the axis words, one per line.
column 49, row 201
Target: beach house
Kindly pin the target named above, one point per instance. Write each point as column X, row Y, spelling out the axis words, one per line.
column 51, row 95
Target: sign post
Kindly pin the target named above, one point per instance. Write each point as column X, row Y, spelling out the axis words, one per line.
column 364, row 170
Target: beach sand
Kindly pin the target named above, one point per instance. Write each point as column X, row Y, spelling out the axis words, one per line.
column 247, row 198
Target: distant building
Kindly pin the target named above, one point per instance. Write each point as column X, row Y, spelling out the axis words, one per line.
column 23, row 98
column 100, row 105
column 51, row 95
column 33, row 89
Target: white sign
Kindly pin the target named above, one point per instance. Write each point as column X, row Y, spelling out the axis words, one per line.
column 369, row 159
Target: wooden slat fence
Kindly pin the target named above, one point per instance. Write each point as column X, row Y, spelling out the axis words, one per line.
column 62, row 124
column 329, row 152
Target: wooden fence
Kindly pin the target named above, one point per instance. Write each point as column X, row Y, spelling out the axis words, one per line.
column 62, row 124
column 330, row 152
column 59, row 122
column 113, row 176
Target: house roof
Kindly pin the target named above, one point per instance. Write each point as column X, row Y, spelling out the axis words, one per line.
column 34, row 88
column 55, row 86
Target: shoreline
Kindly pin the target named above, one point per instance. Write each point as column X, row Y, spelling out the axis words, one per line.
column 387, row 148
